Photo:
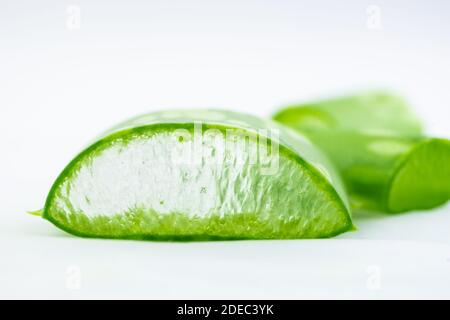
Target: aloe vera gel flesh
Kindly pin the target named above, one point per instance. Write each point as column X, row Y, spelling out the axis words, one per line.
column 199, row 175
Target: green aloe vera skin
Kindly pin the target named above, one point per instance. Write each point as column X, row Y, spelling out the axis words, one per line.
column 387, row 173
column 378, row 113
column 385, row 167
column 199, row 175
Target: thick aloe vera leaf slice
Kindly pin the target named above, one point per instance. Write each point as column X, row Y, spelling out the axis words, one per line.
column 388, row 173
column 199, row 175
column 379, row 113
column 422, row 180
column 375, row 142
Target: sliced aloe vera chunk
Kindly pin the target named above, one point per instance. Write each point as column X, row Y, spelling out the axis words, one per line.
column 388, row 173
column 199, row 175
column 374, row 112
column 379, row 151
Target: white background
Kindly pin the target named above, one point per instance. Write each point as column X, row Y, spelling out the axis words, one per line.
column 63, row 80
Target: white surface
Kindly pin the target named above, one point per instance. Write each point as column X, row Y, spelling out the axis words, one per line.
column 59, row 87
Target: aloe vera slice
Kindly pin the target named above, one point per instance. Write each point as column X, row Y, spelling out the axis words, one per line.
column 199, row 175
column 379, row 151
column 388, row 173
column 375, row 112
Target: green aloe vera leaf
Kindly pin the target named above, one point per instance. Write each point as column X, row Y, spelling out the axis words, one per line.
column 199, row 175
column 374, row 112
column 388, row 173
column 378, row 147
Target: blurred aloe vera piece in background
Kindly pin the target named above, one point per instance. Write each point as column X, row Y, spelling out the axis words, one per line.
column 377, row 112
column 383, row 157
column 388, row 173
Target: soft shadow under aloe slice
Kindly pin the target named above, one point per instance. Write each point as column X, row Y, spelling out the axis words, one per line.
column 145, row 179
